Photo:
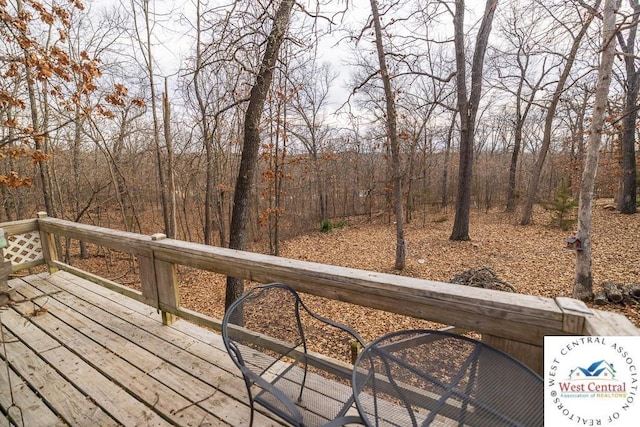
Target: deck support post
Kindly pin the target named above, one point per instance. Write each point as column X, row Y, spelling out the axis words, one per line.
column 159, row 282
column 49, row 248
column 529, row 354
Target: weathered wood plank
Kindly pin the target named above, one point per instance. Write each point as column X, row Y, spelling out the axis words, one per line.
column 27, row 265
column 101, row 390
column 70, row 404
column 148, row 279
column 5, row 272
column 49, row 248
column 199, row 346
column 167, row 280
column 152, row 392
column 122, row 241
column 530, row 355
column 607, row 323
column 109, row 284
column 105, row 393
column 479, row 309
column 211, row 364
column 574, row 312
column 181, row 312
column 221, row 357
column 32, row 410
column 192, row 377
column 19, row 227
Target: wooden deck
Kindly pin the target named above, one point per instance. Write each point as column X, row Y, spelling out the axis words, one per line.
column 80, row 354
column 83, row 350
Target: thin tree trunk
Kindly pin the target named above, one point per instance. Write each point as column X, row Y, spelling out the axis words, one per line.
column 207, row 137
column 38, row 136
column 392, row 133
column 583, row 285
column 513, row 168
column 251, row 144
column 84, row 253
column 166, row 116
column 162, row 180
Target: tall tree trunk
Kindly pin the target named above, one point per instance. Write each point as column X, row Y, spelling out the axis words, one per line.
column 207, row 137
column 392, row 133
column 583, row 285
column 39, row 137
column 162, row 179
column 171, row 181
column 251, row 143
column 84, row 253
column 628, row 188
column 468, row 109
column 521, row 116
column 548, row 122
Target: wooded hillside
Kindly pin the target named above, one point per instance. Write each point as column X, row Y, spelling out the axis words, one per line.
column 132, row 114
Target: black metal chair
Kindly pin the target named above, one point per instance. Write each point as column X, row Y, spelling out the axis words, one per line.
column 268, row 332
column 424, row 377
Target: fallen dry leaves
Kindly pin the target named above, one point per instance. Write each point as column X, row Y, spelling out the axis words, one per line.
column 531, row 258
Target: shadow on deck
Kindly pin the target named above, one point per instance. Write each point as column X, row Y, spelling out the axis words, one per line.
column 83, row 355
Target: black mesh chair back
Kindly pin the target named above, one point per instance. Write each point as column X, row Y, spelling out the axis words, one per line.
column 277, row 342
column 422, row 378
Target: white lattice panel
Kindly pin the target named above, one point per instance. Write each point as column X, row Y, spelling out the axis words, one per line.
column 23, row 248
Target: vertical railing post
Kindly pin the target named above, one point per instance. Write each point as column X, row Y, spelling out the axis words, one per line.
column 49, row 248
column 159, row 282
column 5, row 266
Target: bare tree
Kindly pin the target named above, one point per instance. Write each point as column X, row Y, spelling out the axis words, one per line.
column 251, row 143
column 38, row 123
column 550, row 114
column 583, row 286
column 216, row 80
column 517, row 63
column 171, row 181
column 144, row 38
column 576, row 103
column 310, row 100
column 468, row 108
column 392, row 134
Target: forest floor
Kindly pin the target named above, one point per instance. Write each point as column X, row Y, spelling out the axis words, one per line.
column 533, row 259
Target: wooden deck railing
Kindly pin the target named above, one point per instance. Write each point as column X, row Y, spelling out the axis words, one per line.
column 513, row 322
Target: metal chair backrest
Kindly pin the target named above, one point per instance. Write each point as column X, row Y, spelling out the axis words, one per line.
column 268, row 333
column 425, row 377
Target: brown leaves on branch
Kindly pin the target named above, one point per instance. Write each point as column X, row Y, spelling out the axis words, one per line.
column 8, row 100
column 35, row 61
column 13, row 180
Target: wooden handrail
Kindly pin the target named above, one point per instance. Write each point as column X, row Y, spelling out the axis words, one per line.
column 529, row 317
column 514, row 322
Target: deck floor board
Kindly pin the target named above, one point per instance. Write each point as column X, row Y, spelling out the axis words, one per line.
column 90, row 356
column 28, row 406
column 210, row 366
